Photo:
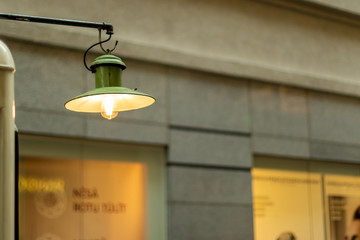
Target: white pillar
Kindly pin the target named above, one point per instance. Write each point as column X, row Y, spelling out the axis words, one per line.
column 7, row 145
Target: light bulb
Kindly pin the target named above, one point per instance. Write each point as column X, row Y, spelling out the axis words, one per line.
column 107, row 108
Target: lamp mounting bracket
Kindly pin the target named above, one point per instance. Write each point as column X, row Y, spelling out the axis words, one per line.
column 58, row 21
column 108, row 51
column 67, row 22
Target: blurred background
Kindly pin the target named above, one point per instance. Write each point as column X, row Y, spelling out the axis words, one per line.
column 254, row 133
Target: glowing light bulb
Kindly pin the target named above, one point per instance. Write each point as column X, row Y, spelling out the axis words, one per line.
column 107, row 108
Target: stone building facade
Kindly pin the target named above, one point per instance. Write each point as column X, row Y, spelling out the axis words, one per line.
column 235, row 81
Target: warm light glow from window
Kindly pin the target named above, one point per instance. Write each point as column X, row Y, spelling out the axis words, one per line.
column 82, row 199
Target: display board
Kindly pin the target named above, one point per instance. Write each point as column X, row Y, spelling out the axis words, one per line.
column 287, row 205
column 342, row 195
column 70, row 199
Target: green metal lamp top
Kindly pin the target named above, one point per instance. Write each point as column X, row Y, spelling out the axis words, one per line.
column 108, row 69
column 108, row 59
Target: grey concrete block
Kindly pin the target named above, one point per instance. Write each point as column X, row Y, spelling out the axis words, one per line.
column 151, row 79
column 278, row 110
column 50, row 123
column 208, row 101
column 209, row 148
column 122, row 130
column 209, row 185
column 334, row 118
column 46, row 77
column 290, row 147
column 210, row 222
column 334, row 151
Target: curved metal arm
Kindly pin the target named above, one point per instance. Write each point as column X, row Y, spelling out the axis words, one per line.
column 107, row 50
column 100, row 42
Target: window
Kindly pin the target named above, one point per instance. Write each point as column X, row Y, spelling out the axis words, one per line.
column 86, row 190
column 295, row 199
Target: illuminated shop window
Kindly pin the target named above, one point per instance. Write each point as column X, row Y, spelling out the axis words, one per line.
column 295, row 200
column 95, row 191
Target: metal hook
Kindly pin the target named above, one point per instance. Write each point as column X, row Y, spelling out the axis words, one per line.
column 116, row 43
column 100, row 42
column 108, row 51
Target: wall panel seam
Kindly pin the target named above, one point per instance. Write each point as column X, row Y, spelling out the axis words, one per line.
column 208, row 166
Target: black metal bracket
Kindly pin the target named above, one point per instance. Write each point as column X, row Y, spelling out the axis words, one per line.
column 67, row 22
column 58, row 21
column 108, row 51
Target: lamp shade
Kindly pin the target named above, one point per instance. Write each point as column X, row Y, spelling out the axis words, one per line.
column 124, row 99
column 109, row 97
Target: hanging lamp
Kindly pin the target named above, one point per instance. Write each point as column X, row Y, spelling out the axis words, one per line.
column 109, row 97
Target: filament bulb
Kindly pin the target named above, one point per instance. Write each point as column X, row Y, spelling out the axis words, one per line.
column 107, row 108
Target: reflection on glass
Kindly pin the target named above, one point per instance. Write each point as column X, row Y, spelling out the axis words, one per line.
column 343, row 203
column 81, row 200
column 286, row 236
column 353, row 229
column 290, row 205
column 286, row 204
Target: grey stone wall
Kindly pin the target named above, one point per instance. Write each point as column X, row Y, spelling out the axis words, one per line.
column 233, row 79
column 47, row 77
column 305, row 124
column 305, row 47
column 209, row 157
column 212, row 124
